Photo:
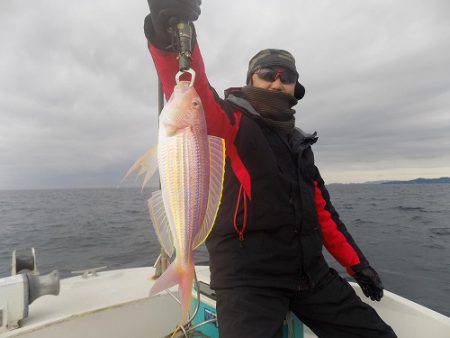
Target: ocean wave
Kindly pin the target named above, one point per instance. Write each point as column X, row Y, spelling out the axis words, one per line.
column 433, row 246
column 362, row 221
column 404, row 208
column 441, row 231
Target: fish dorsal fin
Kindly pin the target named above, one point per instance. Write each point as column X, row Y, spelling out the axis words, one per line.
column 160, row 223
column 146, row 164
column 216, row 176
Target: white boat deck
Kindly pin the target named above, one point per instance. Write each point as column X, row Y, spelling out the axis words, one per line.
column 111, row 304
column 116, row 304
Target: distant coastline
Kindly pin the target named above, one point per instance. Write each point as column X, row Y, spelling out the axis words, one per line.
column 420, row 180
column 445, row 180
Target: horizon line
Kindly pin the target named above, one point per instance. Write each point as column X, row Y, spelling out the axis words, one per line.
column 153, row 187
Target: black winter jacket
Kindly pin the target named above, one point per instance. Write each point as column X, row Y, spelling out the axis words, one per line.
column 275, row 214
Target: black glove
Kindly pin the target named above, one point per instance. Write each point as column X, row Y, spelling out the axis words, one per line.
column 161, row 11
column 370, row 283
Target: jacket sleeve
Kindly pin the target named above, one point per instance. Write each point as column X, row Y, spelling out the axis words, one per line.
column 166, row 63
column 336, row 238
column 221, row 119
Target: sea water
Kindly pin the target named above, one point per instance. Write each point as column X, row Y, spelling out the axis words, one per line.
column 404, row 231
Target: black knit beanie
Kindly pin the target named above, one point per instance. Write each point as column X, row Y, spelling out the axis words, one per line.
column 275, row 57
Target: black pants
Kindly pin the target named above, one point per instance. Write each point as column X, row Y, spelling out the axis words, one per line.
column 332, row 309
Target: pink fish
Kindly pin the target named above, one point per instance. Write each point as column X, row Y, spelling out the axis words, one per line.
column 191, row 166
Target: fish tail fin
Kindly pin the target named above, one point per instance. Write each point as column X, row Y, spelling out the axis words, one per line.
column 185, row 291
column 184, row 277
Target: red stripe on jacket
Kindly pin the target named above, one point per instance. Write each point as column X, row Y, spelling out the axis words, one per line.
column 217, row 121
column 333, row 240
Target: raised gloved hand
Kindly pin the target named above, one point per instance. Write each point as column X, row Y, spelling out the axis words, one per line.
column 161, row 11
column 370, row 283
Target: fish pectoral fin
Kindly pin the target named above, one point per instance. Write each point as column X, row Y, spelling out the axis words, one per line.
column 160, row 222
column 146, row 164
column 216, row 177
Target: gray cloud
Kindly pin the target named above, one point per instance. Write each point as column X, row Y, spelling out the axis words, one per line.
column 78, row 88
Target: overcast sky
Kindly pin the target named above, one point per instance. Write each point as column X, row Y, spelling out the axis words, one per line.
column 78, row 87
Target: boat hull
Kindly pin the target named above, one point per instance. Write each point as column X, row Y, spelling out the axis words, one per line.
column 115, row 304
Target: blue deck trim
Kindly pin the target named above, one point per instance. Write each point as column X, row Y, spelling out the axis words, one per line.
column 206, row 312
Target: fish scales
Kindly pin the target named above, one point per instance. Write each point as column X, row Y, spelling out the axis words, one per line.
column 184, row 167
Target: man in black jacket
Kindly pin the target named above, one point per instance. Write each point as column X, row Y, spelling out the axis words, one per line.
column 275, row 215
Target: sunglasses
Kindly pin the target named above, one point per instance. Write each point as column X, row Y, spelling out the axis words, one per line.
column 271, row 74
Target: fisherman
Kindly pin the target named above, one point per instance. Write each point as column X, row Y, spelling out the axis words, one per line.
column 266, row 245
